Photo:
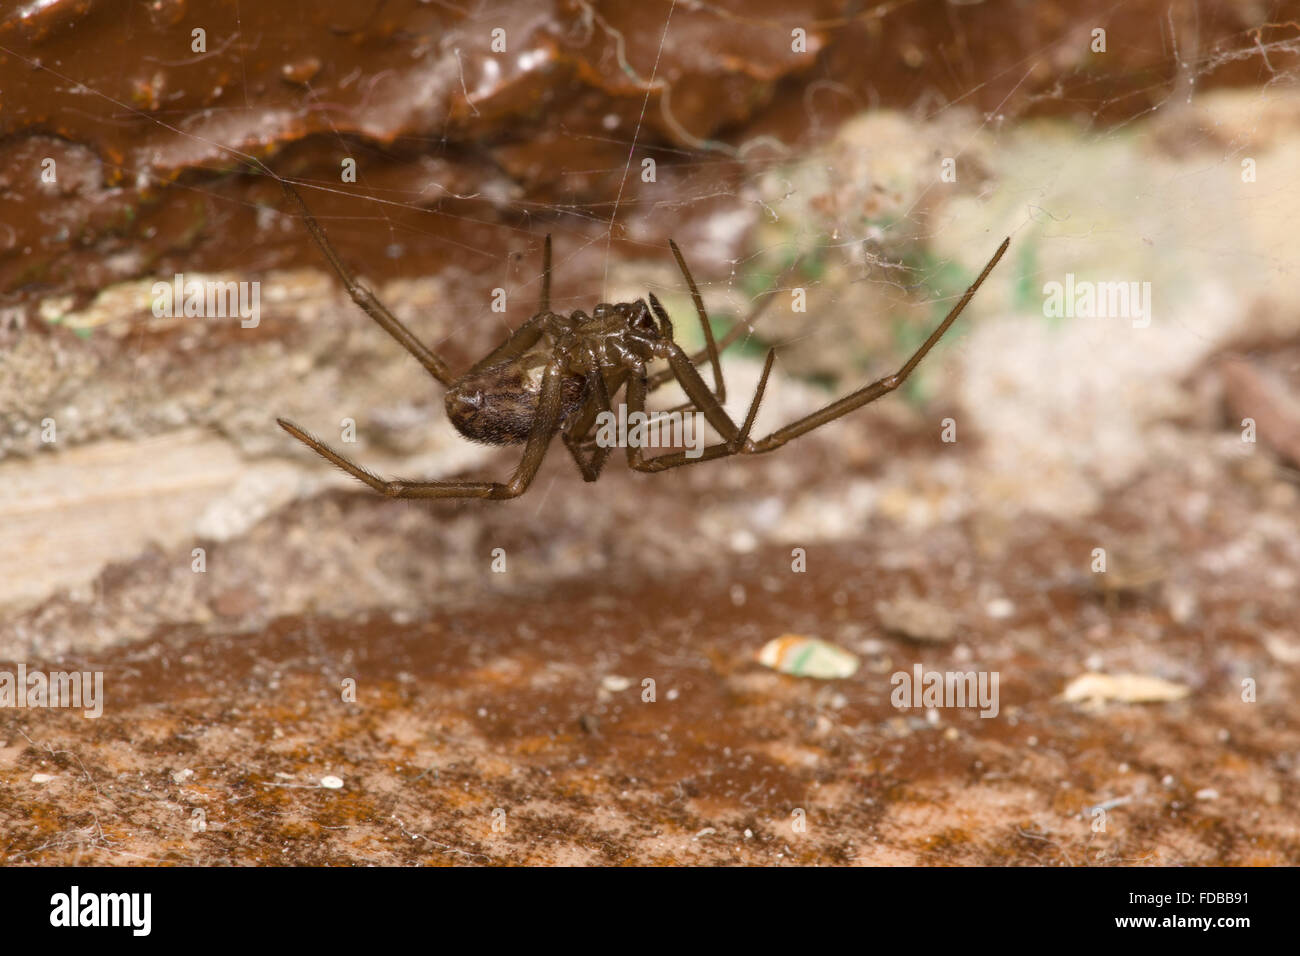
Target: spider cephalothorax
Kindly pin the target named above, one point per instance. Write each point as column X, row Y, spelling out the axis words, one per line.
column 556, row 374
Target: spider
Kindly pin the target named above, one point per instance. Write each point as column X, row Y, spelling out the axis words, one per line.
column 557, row 373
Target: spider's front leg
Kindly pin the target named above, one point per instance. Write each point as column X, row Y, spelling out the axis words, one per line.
column 742, row 327
column 882, row 387
column 739, row 443
column 545, row 424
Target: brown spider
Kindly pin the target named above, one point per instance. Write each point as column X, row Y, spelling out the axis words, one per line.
column 557, row 373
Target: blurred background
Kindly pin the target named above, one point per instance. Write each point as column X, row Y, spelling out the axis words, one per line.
column 860, row 161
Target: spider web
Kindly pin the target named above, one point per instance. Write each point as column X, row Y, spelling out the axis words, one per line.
column 862, row 200
column 756, row 181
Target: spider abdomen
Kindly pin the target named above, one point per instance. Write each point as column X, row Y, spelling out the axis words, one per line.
column 498, row 404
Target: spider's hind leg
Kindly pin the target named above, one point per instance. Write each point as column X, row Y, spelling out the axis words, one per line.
column 545, row 304
column 545, row 424
column 366, row 299
column 393, row 489
column 526, row 336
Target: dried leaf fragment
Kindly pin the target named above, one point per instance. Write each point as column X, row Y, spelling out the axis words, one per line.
column 1096, row 689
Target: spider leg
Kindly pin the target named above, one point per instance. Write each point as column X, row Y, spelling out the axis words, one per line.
column 710, row 346
column 581, row 422
column 666, row 330
column 526, row 336
column 539, row 438
column 884, row 386
column 636, row 393
column 365, row 298
column 742, row 327
column 545, row 304
column 703, row 399
column 518, row 342
column 574, row 437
